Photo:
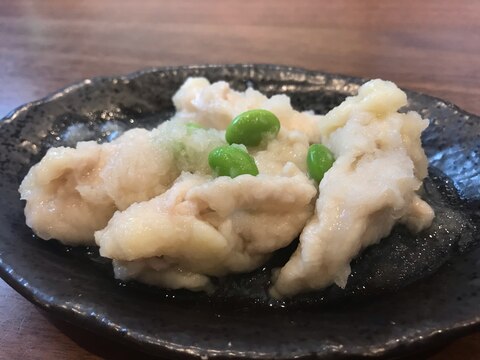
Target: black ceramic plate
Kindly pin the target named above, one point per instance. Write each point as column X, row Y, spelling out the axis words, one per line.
column 406, row 293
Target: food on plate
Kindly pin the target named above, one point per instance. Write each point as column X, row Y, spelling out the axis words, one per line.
column 231, row 161
column 379, row 166
column 72, row 192
column 231, row 178
column 252, row 127
column 204, row 227
column 215, row 105
column 319, row 160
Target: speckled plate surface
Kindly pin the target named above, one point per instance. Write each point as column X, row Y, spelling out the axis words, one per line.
column 405, row 294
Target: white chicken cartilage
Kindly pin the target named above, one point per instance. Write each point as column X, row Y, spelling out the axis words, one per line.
column 189, row 225
column 65, row 199
column 137, row 169
column 167, row 225
column 78, row 189
column 371, row 186
column 155, row 228
column 72, row 192
column 215, row 105
column 377, row 97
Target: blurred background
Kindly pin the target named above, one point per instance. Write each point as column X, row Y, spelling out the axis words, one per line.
column 430, row 46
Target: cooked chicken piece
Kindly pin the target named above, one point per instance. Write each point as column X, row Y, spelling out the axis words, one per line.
column 65, row 196
column 203, row 227
column 372, row 185
column 137, row 169
column 215, row 105
column 72, row 192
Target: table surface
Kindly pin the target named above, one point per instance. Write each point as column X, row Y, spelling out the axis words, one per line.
column 430, row 46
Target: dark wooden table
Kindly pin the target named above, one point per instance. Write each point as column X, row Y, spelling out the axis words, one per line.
column 431, row 46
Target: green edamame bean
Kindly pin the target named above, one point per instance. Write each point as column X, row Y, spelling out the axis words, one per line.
column 231, row 161
column 319, row 160
column 251, row 127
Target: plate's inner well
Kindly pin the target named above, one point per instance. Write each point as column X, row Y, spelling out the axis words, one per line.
column 398, row 260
